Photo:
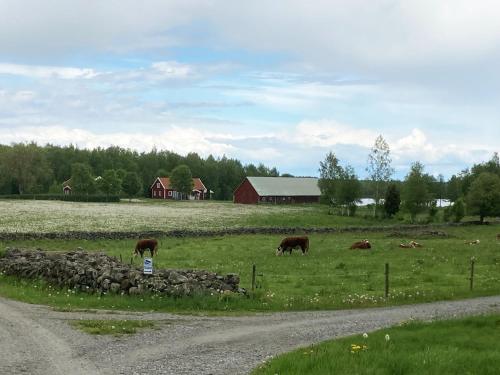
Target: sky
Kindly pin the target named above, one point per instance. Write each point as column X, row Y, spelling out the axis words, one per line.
column 280, row 83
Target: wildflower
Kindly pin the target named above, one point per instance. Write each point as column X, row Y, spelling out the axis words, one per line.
column 365, row 335
column 387, row 337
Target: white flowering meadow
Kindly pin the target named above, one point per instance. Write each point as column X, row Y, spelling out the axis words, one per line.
column 58, row 216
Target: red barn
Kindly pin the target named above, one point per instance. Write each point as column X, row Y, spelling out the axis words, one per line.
column 161, row 189
column 278, row 190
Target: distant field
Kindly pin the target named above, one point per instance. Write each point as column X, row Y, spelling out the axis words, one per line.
column 57, row 216
column 330, row 277
column 145, row 215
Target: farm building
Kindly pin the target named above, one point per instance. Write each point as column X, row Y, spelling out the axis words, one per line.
column 278, row 190
column 67, row 187
column 161, row 189
column 67, row 190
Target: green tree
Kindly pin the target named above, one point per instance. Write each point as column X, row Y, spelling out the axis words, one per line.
column 483, row 198
column 182, row 180
column 415, row 192
column 348, row 191
column 82, row 181
column 330, row 173
column 392, row 200
column 379, row 168
column 110, row 183
column 26, row 166
column 458, row 210
column 131, row 184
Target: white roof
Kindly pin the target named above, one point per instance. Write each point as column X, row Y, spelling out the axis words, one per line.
column 285, row 186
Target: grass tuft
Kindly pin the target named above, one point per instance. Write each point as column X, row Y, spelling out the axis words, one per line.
column 112, row 327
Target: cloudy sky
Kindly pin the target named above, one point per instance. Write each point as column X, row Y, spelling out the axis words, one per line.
column 277, row 82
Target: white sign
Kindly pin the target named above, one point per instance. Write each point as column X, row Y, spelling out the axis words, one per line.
column 148, row 266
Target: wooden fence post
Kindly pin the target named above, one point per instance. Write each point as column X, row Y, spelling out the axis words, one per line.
column 386, row 280
column 472, row 260
column 253, row 277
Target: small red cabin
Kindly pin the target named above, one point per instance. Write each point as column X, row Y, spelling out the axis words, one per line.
column 161, row 189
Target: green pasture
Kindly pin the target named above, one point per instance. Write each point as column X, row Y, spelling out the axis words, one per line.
column 465, row 346
column 330, row 277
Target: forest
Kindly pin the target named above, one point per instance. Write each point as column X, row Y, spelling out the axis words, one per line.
column 28, row 168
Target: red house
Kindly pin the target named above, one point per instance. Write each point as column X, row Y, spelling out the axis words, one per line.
column 161, row 189
column 277, row 190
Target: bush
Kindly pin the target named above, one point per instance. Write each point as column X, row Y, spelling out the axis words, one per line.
column 63, row 197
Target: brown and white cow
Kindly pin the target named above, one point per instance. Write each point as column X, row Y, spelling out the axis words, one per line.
column 473, row 242
column 410, row 245
column 365, row 244
column 143, row 245
column 289, row 243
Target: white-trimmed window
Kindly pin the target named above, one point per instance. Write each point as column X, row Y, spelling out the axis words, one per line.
column 154, row 193
column 158, row 185
column 170, row 193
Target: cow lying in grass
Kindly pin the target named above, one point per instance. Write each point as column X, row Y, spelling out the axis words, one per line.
column 410, row 245
column 143, row 245
column 365, row 244
column 473, row 242
column 289, row 243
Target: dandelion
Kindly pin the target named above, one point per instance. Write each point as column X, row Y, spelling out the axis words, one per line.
column 365, row 335
column 387, row 337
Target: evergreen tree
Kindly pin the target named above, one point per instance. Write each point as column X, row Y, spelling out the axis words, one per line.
column 392, row 200
column 458, row 210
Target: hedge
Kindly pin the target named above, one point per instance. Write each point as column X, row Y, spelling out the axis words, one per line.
column 63, row 197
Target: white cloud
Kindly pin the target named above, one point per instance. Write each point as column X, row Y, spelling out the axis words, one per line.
column 328, row 133
column 173, row 138
column 47, row 71
column 173, row 69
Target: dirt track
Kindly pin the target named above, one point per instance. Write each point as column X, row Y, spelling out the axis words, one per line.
column 37, row 340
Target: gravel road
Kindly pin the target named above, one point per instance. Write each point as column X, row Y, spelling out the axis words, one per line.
column 36, row 340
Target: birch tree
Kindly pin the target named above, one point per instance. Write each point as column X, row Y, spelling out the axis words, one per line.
column 379, row 168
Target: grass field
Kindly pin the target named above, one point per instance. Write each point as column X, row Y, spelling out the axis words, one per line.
column 330, row 277
column 466, row 346
column 148, row 215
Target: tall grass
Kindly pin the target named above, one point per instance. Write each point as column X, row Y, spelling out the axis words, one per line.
column 466, row 346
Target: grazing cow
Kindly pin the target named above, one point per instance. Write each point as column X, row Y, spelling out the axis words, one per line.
column 473, row 242
column 498, row 236
column 410, row 245
column 289, row 243
column 365, row 244
column 143, row 245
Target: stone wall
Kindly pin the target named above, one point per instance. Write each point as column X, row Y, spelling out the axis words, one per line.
column 212, row 233
column 100, row 273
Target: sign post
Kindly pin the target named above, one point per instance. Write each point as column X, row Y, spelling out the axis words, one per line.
column 148, row 266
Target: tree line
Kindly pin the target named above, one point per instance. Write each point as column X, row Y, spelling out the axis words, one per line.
column 27, row 168
column 474, row 191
